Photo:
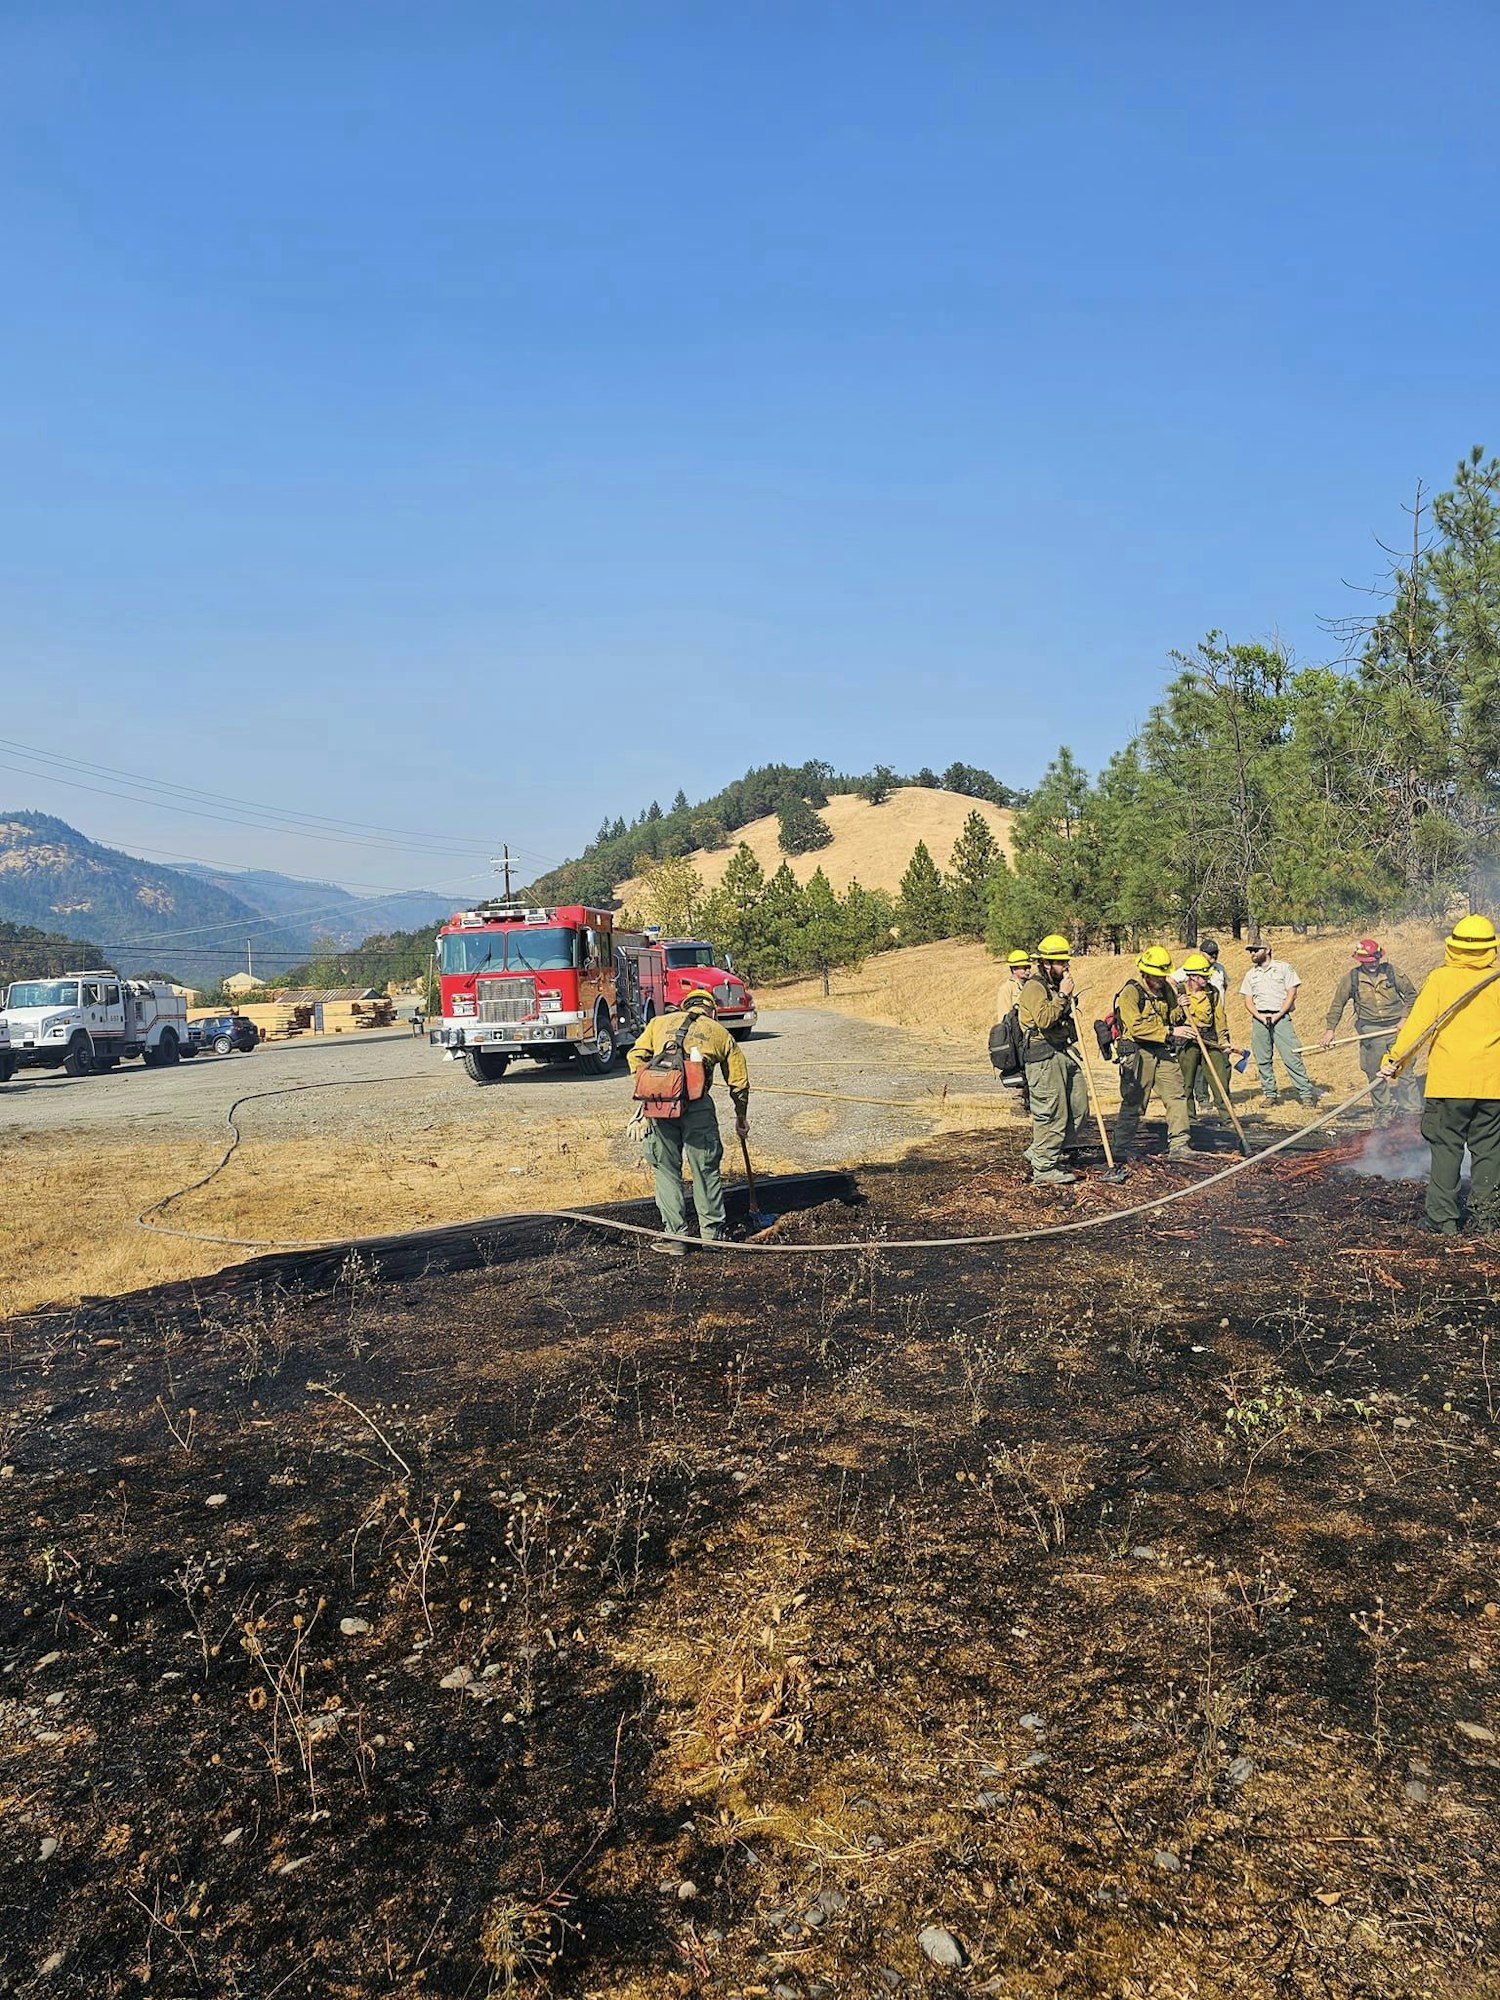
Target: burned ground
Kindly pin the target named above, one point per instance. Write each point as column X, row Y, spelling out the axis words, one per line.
column 1124, row 1605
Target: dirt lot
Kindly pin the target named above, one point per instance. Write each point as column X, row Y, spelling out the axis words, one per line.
column 401, row 1138
column 1125, row 1607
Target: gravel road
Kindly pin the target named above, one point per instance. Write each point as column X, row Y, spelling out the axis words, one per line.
column 396, row 1083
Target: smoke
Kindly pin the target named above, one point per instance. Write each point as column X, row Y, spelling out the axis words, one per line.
column 1393, row 1153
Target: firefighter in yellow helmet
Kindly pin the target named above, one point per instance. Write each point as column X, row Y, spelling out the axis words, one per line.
column 1017, row 972
column 1463, row 1075
column 694, row 1135
column 1153, row 1031
column 1055, row 1087
column 1203, row 1004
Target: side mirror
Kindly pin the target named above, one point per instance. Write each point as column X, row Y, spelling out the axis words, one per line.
column 729, row 961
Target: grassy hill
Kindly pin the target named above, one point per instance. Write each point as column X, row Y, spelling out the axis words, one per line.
column 873, row 843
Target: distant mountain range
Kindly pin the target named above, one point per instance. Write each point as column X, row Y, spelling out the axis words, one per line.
column 190, row 921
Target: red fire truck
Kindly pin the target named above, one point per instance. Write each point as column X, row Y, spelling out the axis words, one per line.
column 523, row 981
column 655, row 972
column 558, row 985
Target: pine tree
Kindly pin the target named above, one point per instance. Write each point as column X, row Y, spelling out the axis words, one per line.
column 971, row 866
column 670, row 893
column 869, row 920
column 820, row 942
column 653, row 813
column 802, row 830
column 921, row 907
column 680, row 803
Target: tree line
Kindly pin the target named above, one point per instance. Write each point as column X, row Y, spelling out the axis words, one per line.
column 775, row 927
column 1260, row 792
column 792, row 792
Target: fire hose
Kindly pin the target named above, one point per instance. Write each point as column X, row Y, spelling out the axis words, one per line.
column 852, row 1246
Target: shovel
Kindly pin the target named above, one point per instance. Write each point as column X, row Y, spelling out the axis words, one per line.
column 1114, row 1174
column 758, row 1220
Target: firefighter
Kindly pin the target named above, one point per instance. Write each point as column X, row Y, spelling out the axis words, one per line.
column 1018, row 964
column 1203, row 1004
column 1463, row 1076
column 1055, row 1087
column 1203, row 1097
column 1153, row 1028
column 693, row 1137
column 1380, row 995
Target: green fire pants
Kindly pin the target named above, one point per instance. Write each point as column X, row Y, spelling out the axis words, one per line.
column 1448, row 1125
column 1059, row 1108
column 1142, row 1071
column 694, row 1137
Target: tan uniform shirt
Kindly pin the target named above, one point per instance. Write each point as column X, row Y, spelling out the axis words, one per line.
column 1046, row 1014
column 707, row 1040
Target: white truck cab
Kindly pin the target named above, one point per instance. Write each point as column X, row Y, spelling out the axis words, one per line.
column 87, row 1021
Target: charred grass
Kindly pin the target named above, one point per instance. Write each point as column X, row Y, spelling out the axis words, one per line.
column 1123, row 1604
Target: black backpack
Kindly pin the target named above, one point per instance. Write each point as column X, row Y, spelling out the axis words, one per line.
column 1006, row 1045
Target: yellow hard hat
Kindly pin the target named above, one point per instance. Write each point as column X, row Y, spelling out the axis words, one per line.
column 699, row 993
column 1473, row 934
column 1053, row 946
column 1197, row 962
column 1155, row 961
column 1019, row 958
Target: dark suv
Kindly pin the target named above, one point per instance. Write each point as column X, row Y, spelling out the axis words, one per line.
column 223, row 1033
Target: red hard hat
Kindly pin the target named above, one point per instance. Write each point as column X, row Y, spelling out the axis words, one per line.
column 1367, row 948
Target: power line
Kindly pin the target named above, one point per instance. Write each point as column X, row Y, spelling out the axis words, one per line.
column 289, row 819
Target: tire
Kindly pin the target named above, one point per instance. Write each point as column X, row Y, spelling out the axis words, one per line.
column 79, row 1061
column 484, row 1066
column 224, row 1045
column 168, row 1049
column 607, row 1048
column 188, row 1051
column 740, row 1034
column 8, row 1067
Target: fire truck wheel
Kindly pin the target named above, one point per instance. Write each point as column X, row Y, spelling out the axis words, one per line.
column 80, row 1057
column 8, row 1068
column 606, row 1048
column 484, row 1065
column 168, row 1050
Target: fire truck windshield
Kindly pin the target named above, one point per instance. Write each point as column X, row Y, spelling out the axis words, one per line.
column 43, row 993
column 542, row 950
column 689, row 954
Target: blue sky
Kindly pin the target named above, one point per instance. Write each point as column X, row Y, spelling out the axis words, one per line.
column 485, row 418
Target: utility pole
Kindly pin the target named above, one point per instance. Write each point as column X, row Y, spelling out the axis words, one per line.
column 503, row 866
column 249, row 968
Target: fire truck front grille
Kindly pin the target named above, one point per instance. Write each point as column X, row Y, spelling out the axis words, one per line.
column 506, row 1000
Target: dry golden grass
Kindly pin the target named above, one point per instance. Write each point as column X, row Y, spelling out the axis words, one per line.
column 278, row 1190
column 873, row 842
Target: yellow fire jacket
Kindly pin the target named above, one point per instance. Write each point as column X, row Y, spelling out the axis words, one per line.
column 1463, row 1059
column 707, row 1038
column 1147, row 1017
column 1205, row 1010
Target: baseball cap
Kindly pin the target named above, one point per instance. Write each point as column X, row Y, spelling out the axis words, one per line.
column 1210, row 946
